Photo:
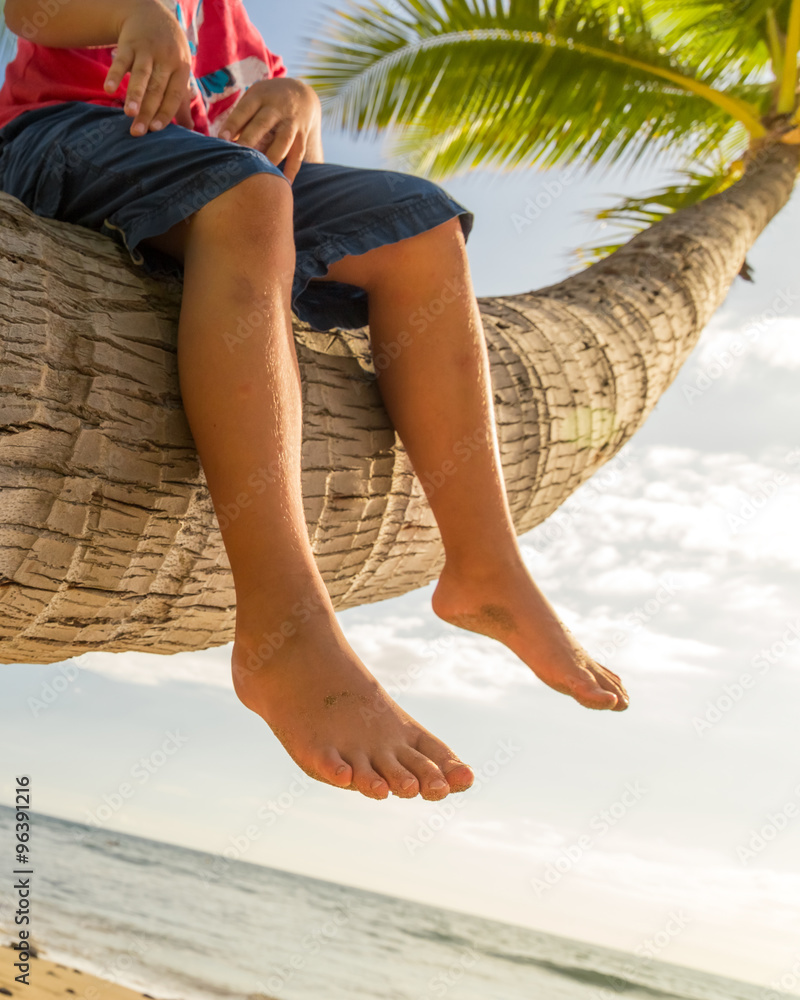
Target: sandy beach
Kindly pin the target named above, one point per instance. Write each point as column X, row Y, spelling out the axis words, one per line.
column 53, row 980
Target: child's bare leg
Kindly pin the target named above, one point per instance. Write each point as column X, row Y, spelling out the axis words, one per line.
column 291, row 662
column 438, row 393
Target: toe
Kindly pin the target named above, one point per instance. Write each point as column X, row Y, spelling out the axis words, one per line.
column 432, row 782
column 334, row 768
column 457, row 774
column 622, row 698
column 589, row 687
column 367, row 780
column 459, row 777
column 591, row 695
column 400, row 780
column 612, row 683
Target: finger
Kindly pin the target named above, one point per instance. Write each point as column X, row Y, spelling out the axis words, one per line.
column 174, row 96
column 239, row 115
column 183, row 116
column 120, row 64
column 137, row 85
column 282, row 142
column 294, row 157
column 258, row 128
column 153, row 95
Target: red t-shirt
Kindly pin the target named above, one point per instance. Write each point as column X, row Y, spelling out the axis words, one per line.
column 228, row 54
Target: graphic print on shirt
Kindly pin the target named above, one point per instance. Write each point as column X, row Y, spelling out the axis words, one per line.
column 233, row 79
column 237, row 75
column 190, row 29
column 225, row 48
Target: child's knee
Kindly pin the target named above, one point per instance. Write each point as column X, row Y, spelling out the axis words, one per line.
column 259, row 209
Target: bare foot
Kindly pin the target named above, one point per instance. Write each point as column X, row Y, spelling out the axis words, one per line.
column 331, row 715
column 508, row 606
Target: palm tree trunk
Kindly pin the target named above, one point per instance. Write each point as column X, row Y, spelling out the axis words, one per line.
column 109, row 538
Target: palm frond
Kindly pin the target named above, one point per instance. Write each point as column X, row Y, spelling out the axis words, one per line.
column 653, row 124
column 634, row 214
column 476, row 83
column 723, row 35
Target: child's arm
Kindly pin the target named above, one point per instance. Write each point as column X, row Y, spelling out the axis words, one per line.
column 150, row 44
column 77, row 24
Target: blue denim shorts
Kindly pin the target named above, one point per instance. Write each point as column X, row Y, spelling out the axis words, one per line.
column 78, row 162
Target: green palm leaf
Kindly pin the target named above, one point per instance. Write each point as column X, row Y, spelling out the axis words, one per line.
column 724, row 35
column 476, row 83
column 652, row 123
column 633, row 214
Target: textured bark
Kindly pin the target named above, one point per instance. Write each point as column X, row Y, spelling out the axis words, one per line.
column 109, row 538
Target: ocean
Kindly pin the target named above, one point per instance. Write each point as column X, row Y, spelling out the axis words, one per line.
column 183, row 924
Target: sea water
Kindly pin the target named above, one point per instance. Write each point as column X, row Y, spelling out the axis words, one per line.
column 179, row 923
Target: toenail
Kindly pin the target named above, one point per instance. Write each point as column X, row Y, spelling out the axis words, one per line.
column 408, row 783
column 436, row 785
column 376, row 785
column 341, row 768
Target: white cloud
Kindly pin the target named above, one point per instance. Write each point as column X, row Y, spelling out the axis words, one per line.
column 653, row 873
column 726, row 350
column 446, row 662
column 451, row 664
column 636, row 554
column 675, row 511
column 209, row 666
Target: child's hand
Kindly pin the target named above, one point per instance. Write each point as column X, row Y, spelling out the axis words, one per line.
column 280, row 117
column 153, row 46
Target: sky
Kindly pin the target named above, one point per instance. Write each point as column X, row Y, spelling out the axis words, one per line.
column 676, row 565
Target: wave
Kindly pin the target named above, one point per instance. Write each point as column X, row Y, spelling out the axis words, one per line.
column 608, row 980
column 439, row 936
